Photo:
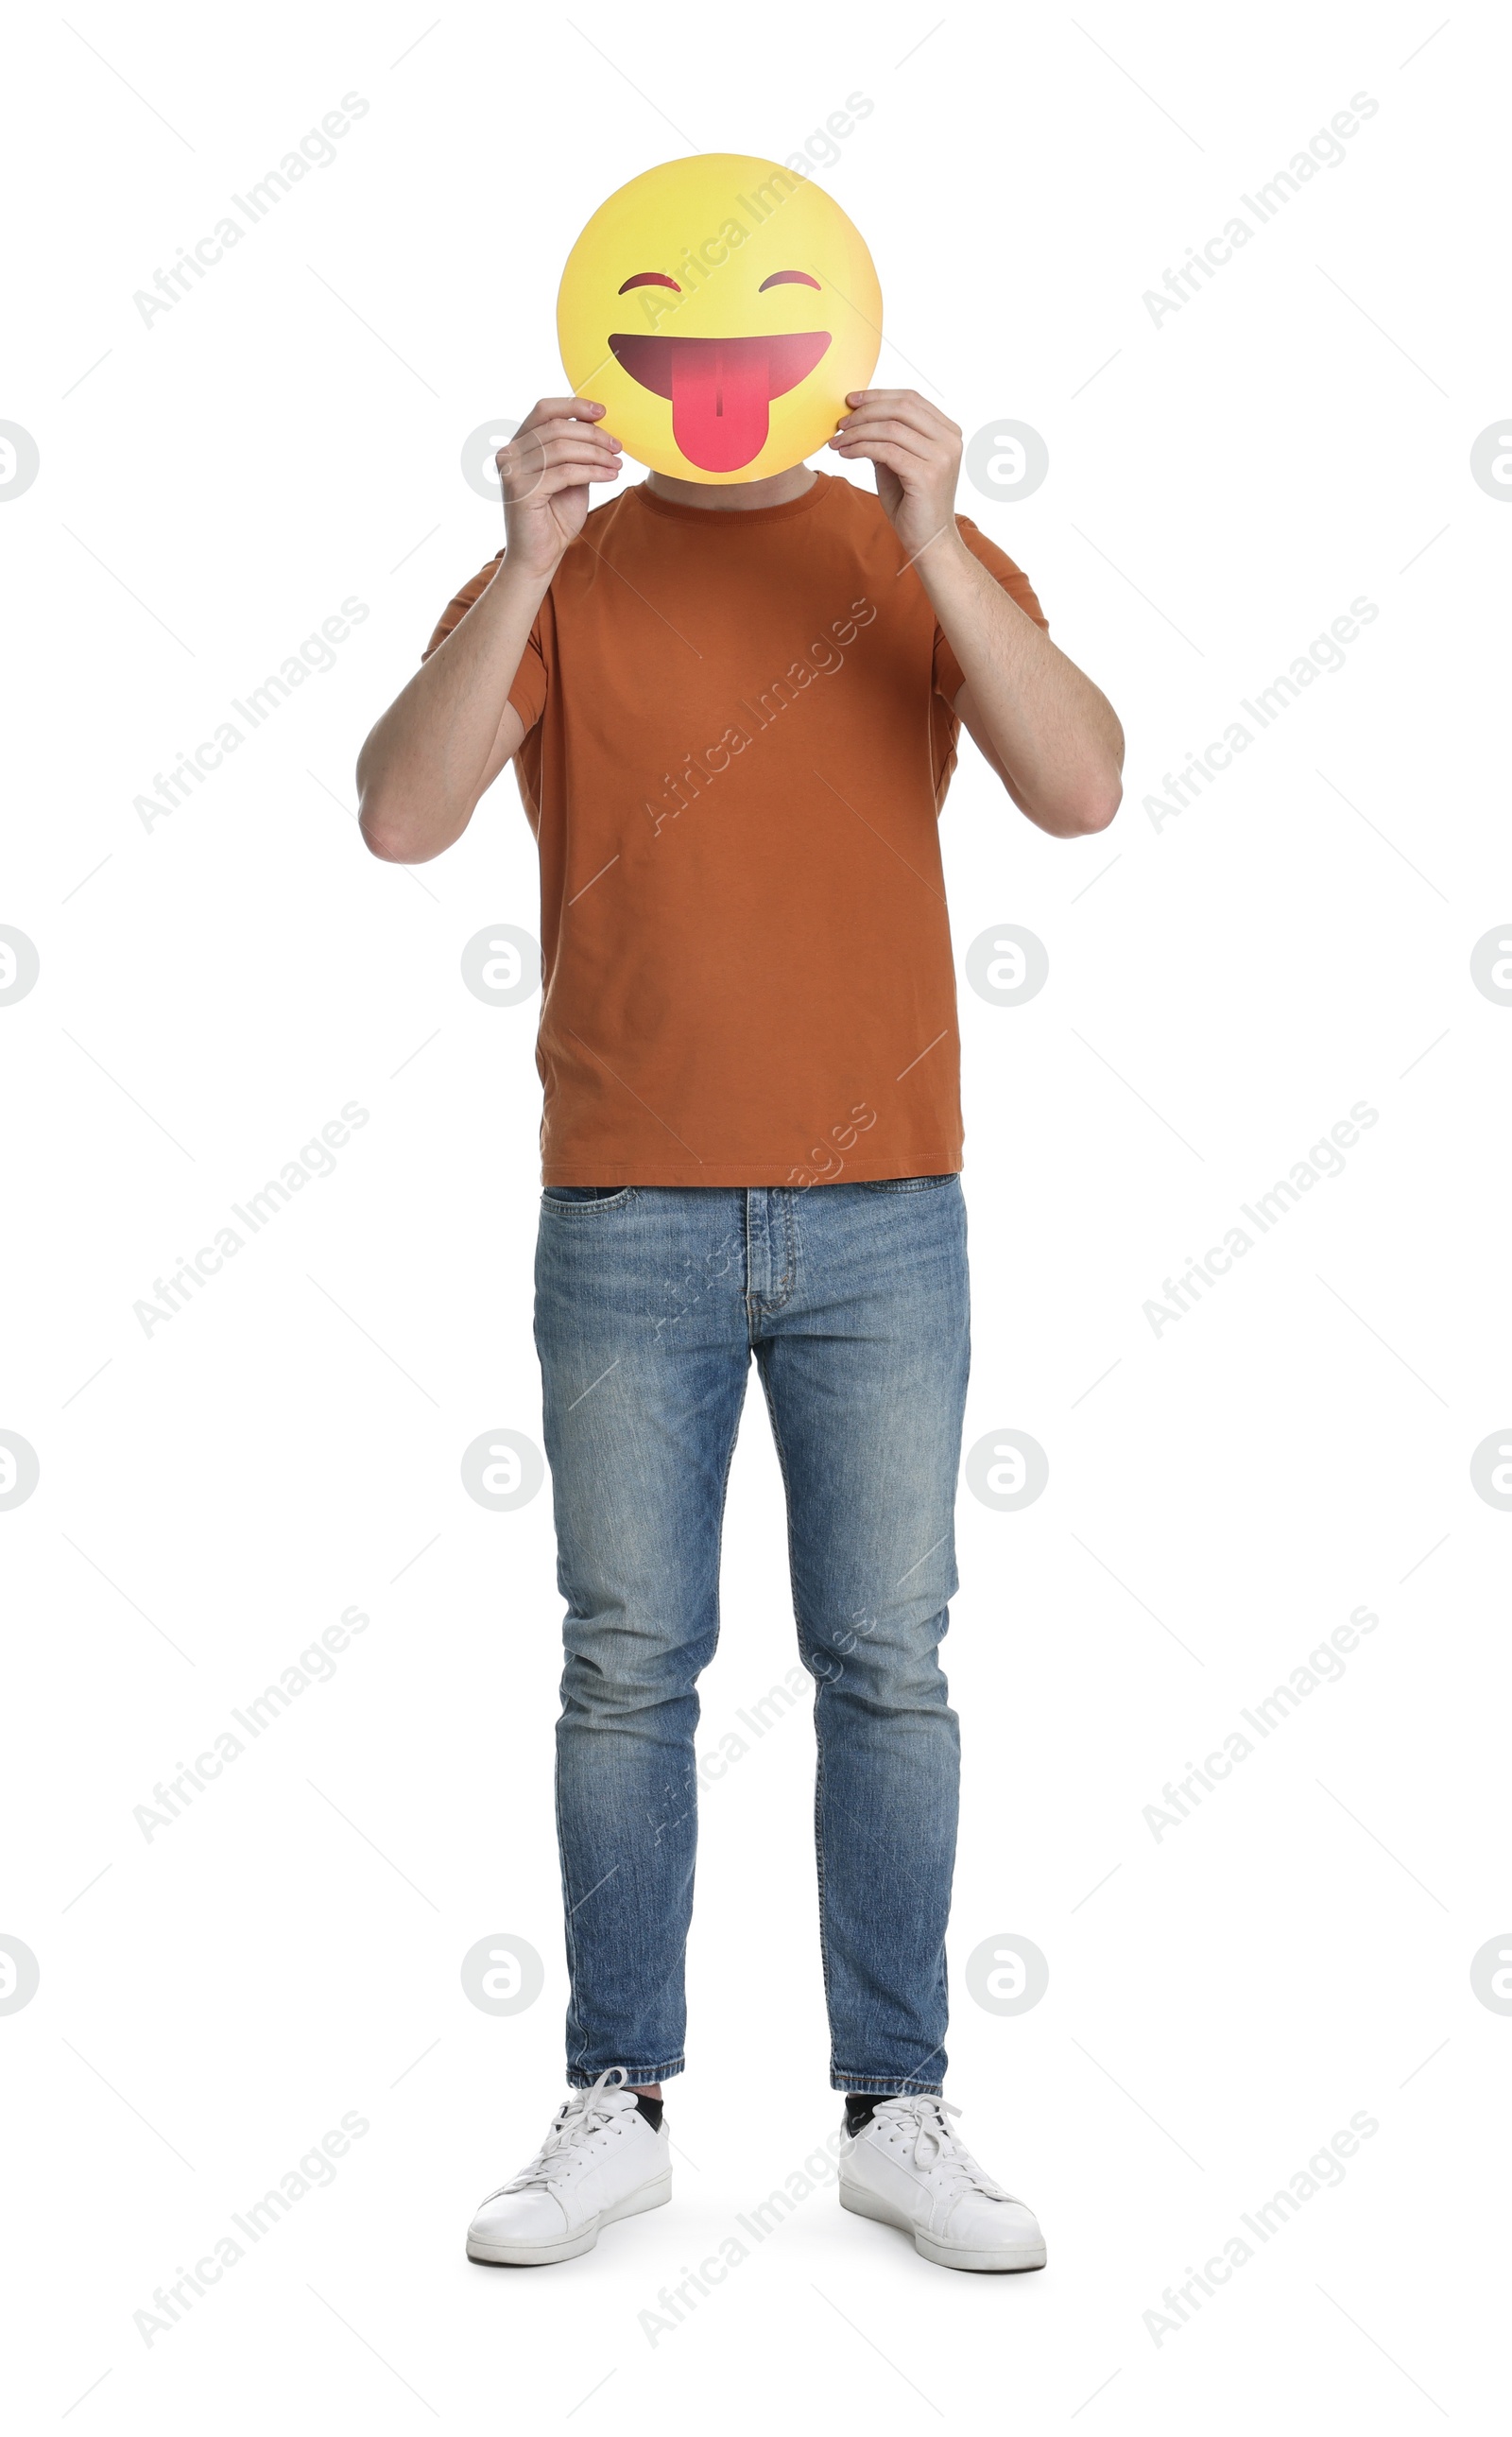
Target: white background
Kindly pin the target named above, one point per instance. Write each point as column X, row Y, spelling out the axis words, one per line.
column 1222, row 988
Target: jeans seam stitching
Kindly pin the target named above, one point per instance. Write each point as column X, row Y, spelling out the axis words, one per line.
column 571, row 1209
column 648, row 2073
column 803, row 1637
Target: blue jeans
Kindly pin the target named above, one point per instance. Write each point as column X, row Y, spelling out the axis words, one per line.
column 650, row 1304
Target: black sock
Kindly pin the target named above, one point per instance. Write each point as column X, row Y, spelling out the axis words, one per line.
column 651, row 2109
column 861, row 2106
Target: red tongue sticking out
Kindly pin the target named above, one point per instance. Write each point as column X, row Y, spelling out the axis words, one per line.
column 720, row 395
column 720, row 388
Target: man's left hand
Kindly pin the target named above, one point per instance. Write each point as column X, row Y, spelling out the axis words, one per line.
column 916, row 452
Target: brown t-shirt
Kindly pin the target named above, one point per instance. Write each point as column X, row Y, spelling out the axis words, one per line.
column 738, row 736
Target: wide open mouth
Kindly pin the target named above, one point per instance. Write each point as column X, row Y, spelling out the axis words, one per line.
column 720, row 388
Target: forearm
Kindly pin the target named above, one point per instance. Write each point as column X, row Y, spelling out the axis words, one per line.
column 1055, row 737
column 425, row 763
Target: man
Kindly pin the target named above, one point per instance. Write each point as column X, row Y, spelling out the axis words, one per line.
column 732, row 712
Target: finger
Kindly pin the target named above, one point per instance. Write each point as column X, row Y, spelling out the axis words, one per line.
column 908, row 434
column 553, row 484
column 519, row 472
column 548, row 409
column 524, row 482
column 885, row 450
column 550, row 443
column 890, row 396
column 541, row 434
column 902, row 406
column 901, row 462
column 558, row 479
column 933, row 430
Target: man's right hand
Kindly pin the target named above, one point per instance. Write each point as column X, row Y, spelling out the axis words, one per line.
column 544, row 472
column 441, row 745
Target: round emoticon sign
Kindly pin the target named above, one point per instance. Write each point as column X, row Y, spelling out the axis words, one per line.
column 721, row 308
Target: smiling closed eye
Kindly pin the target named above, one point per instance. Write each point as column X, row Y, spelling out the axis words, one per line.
column 785, row 279
column 654, row 279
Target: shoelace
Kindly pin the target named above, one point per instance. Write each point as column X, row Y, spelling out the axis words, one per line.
column 586, row 2113
column 936, row 2149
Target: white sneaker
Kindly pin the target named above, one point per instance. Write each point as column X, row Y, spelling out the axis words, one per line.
column 600, row 2161
column 908, row 2169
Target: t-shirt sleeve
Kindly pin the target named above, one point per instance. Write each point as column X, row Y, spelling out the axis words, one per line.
column 948, row 679
column 527, row 693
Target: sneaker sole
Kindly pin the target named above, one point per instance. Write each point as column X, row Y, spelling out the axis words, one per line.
column 945, row 2254
column 546, row 2255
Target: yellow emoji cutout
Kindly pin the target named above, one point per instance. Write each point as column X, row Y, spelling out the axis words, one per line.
column 720, row 307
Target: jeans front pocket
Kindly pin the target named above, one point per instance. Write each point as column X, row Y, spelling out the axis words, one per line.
column 576, row 1199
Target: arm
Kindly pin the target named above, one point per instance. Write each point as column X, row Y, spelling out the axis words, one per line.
column 444, row 741
column 1052, row 738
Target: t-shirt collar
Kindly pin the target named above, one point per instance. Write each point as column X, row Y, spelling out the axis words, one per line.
column 803, row 505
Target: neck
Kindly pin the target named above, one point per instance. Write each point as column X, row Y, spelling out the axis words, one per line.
column 768, row 493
